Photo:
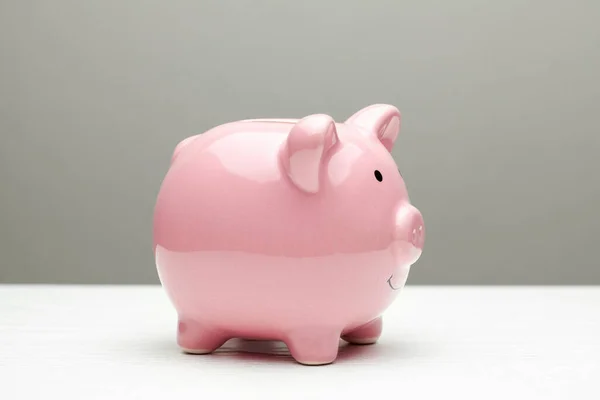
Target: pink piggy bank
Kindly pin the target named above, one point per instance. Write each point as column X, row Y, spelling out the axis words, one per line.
column 283, row 229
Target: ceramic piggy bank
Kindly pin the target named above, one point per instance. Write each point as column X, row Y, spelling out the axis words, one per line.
column 299, row 230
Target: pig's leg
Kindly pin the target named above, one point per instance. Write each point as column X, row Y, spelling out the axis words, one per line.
column 195, row 338
column 314, row 346
column 366, row 334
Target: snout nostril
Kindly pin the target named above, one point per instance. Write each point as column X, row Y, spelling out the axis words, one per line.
column 417, row 236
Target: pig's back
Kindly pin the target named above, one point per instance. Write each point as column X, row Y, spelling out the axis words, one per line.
column 226, row 191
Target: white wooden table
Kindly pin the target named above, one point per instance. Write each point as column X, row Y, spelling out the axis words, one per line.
column 118, row 342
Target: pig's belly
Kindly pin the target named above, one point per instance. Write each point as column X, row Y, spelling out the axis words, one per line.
column 254, row 295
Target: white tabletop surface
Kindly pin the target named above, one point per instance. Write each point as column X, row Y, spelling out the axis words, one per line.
column 118, row 342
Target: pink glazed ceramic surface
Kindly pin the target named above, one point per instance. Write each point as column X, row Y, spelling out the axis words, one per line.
column 283, row 229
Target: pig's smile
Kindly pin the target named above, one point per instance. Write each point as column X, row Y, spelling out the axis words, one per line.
column 389, row 281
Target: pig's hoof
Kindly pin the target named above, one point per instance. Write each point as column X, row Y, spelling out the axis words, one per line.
column 196, row 351
column 194, row 338
column 314, row 347
column 366, row 334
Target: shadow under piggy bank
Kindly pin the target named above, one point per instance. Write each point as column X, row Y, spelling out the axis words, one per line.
column 277, row 351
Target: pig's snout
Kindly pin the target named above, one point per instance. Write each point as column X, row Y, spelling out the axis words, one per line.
column 410, row 227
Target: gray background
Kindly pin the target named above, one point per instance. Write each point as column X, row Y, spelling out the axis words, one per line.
column 499, row 146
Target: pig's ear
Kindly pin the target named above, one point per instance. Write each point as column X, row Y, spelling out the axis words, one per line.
column 305, row 149
column 383, row 120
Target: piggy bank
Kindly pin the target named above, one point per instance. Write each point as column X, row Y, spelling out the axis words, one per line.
column 298, row 230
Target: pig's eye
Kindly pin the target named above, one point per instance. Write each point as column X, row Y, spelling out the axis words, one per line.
column 378, row 175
